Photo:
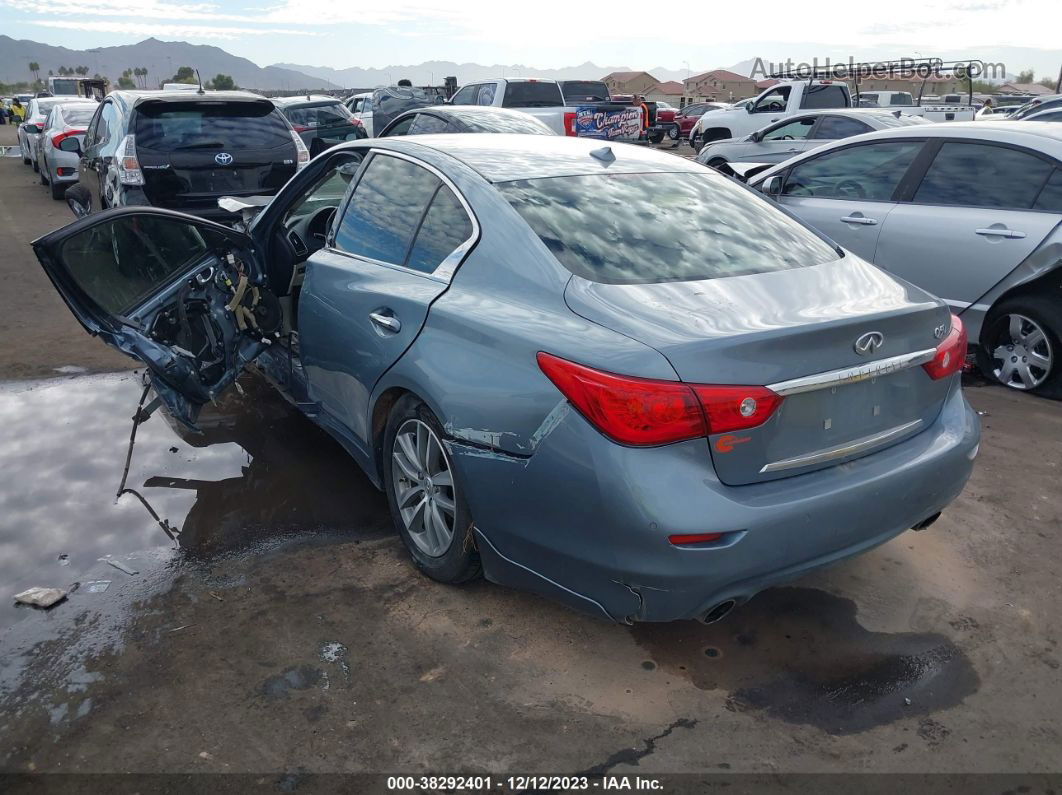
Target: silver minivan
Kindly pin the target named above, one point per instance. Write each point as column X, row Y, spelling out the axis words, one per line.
column 968, row 211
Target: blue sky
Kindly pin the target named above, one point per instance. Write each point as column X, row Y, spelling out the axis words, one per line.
column 544, row 34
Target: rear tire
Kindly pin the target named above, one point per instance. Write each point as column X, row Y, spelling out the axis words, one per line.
column 58, row 191
column 1021, row 345
column 656, row 137
column 36, row 166
column 693, row 141
column 43, row 172
column 425, row 496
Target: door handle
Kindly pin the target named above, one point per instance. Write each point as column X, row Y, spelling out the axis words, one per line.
column 859, row 219
column 386, row 322
column 1012, row 233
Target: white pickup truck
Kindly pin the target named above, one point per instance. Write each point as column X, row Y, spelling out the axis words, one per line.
column 950, row 108
column 794, row 96
column 544, row 100
column 780, row 100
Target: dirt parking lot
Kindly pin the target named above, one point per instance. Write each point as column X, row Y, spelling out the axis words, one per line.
column 282, row 632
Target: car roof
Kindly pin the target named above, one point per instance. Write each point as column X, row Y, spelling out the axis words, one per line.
column 306, row 99
column 503, row 157
column 130, row 98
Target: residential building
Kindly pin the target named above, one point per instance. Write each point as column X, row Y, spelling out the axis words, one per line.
column 629, row 82
column 719, row 85
column 1035, row 89
column 669, row 92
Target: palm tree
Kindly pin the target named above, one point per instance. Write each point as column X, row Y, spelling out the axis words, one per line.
column 35, row 68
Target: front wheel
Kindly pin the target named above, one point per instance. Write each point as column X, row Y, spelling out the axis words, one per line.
column 425, row 496
column 1021, row 345
column 693, row 142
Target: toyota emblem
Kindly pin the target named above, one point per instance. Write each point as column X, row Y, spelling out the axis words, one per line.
column 223, row 158
column 869, row 343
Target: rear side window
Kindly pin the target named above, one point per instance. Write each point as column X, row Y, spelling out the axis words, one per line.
column 532, row 95
column 313, row 116
column 175, row 126
column 647, row 228
column 902, row 99
column 78, row 117
column 385, row 209
column 870, row 171
column 426, row 123
column 445, row 227
column 980, row 175
column 791, row 131
column 1050, row 198
column 830, row 96
column 833, row 127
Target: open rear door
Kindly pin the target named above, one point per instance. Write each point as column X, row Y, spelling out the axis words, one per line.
column 181, row 294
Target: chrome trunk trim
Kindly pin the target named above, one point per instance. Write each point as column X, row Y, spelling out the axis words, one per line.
column 841, row 450
column 851, row 375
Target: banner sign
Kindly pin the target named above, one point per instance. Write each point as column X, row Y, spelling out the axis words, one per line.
column 625, row 123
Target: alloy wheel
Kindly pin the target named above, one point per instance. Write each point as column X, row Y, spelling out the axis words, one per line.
column 423, row 486
column 1023, row 357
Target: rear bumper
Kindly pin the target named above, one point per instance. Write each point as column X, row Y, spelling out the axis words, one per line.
column 586, row 521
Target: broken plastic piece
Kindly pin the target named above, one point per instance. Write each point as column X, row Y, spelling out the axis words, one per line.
column 41, row 597
column 96, row 586
column 120, row 566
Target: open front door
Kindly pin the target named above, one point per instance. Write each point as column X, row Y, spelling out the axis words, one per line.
column 179, row 293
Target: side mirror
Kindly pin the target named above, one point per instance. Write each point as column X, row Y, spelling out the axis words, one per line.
column 70, row 144
column 79, row 200
column 756, row 137
column 748, row 108
column 772, row 186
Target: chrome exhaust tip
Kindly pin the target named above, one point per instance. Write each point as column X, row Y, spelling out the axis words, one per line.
column 719, row 612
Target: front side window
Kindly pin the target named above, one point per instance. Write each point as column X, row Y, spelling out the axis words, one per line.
column 329, row 189
column 385, row 209
column 120, row 263
column 466, row 96
column 790, row 131
column 400, row 127
column 871, row 171
column 981, row 175
column 648, row 228
column 833, row 127
column 774, row 101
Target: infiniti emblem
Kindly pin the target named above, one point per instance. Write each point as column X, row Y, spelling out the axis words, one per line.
column 223, row 158
column 869, row 343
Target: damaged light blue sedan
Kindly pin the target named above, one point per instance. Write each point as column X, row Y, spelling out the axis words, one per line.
column 604, row 374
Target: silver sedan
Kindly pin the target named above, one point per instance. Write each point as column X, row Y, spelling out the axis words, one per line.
column 58, row 160
column 796, row 134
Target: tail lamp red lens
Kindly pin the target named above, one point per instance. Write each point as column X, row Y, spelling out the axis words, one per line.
column 951, row 353
column 569, row 123
column 643, row 411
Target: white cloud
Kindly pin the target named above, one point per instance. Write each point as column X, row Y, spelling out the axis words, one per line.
column 169, row 31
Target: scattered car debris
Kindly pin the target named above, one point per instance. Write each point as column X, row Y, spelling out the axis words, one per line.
column 907, row 702
column 216, row 596
column 97, row 586
column 41, row 597
column 64, row 559
column 120, row 566
column 178, row 629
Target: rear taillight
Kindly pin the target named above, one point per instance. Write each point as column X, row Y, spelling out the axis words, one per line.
column 951, row 353
column 40, row 127
column 302, row 156
column 642, row 411
column 569, row 123
column 57, row 139
column 129, row 172
column 300, row 127
column 694, row 538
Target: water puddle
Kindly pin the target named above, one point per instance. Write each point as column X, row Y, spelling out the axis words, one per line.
column 260, row 470
column 801, row 656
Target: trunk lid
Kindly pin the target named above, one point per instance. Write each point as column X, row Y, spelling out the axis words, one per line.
column 774, row 329
column 193, row 152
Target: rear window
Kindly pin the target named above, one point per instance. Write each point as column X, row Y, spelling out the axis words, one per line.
column 584, row 91
column 532, row 95
column 648, row 228
column 828, row 96
column 78, row 116
column 173, row 126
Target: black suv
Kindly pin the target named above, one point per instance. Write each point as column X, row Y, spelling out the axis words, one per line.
column 184, row 149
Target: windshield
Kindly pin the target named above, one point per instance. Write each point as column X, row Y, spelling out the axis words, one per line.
column 324, row 114
column 584, row 91
column 656, row 227
column 76, row 116
column 172, row 126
